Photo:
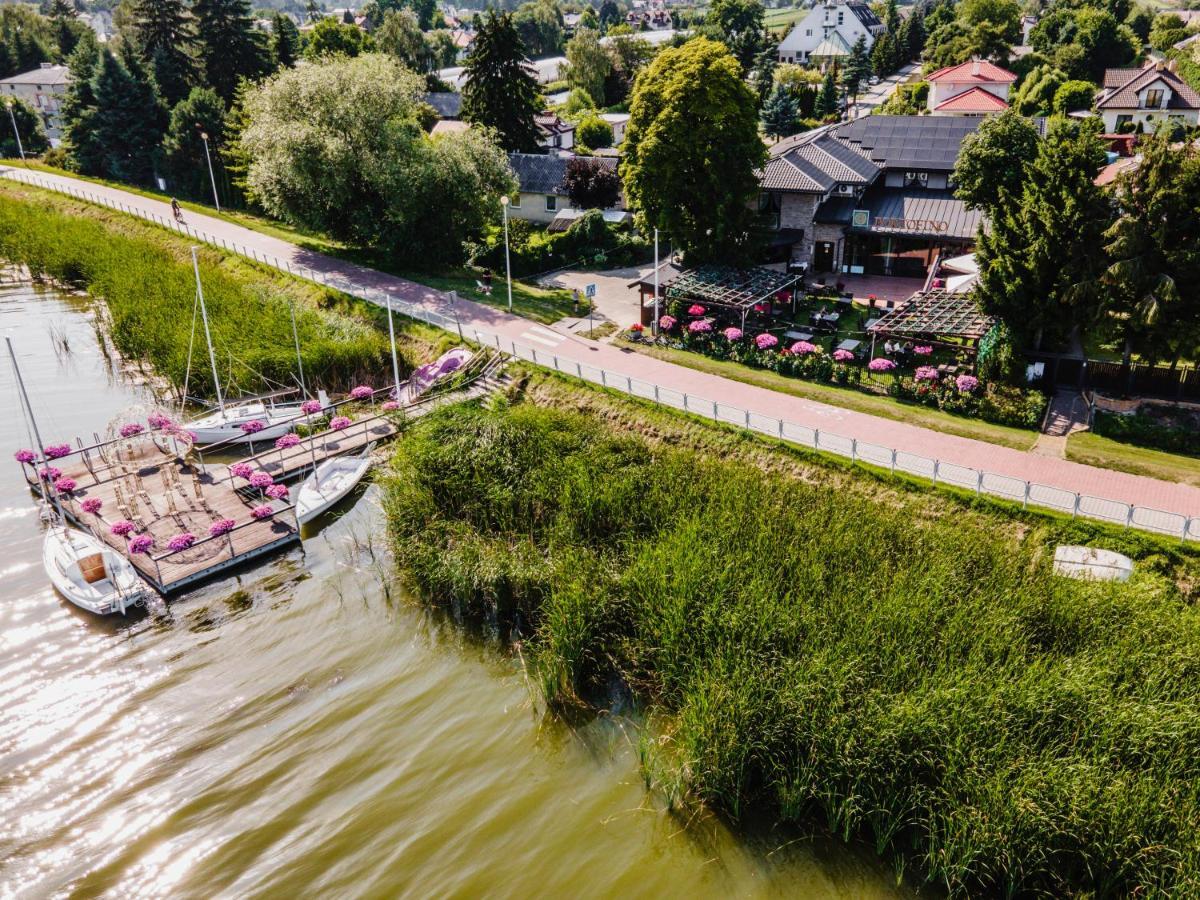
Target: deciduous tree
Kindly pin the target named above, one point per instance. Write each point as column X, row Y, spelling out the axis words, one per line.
column 593, row 132
column 994, row 161
column 330, row 37
column 692, row 149
column 591, row 184
column 29, row 126
column 588, row 63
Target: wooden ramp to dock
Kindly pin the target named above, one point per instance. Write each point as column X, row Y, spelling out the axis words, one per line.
column 148, row 481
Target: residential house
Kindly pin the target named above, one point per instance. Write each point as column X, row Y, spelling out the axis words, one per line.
column 554, row 132
column 829, row 26
column 540, row 194
column 43, row 89
column 618, row 122
column 974, row 88
column 872, row 196
column 1147, row 97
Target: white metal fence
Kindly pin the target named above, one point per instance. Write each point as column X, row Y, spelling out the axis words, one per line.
column 1027, row 493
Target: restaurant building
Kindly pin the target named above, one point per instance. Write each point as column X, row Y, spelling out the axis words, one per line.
column 870, row 197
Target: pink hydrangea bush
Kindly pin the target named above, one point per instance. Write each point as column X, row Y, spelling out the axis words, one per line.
column 803, row 348
column 926, row 373
column 732, row 334
column 362, row 392
column 389, row 406
column 766, row 341
column 141, row 544
column 666, row 323
column 262, row 513
column 695, row 310
column 241, row 470
column 277, row 492
column 966, row 384
column 254, row 426
column 843, row 355
column 58, row 451
column 339, row 422
column 285, row 441
column 159, row 421
column 699, row 327
column 50, row 473
column 221, row 526
column 24, row 456
column 923, row 350
column 881, row 364
column 92, row 505
column 181, row 541
column 131, row 429
column 308, row 407
column 261, row 480
column 122, row 527
column 64, row 485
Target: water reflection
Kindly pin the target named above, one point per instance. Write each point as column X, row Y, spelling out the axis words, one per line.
column 300, row 730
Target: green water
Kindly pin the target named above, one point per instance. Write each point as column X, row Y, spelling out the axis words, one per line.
column 303, row 730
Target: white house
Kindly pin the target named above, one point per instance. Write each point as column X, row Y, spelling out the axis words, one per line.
column 554, row 133
column 43, row 89
column 618, row 123
column 973, row 88
column 833, row 22
column 1147, row 97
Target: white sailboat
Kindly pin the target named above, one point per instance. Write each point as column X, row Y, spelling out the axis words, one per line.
column 91, row 574
column 227, row 423
column 86, row 571
column 329, row 483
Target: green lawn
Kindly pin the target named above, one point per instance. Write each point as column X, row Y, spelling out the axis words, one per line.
column 531, row 301
column 780, row 20
column 848, row 398
column 1094, row 450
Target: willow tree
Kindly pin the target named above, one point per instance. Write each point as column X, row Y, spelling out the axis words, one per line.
column 692, row 148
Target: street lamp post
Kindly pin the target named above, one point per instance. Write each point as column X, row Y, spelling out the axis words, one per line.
column 13, row 118
column 211, row 177
column 654, row 325
column 507, row 264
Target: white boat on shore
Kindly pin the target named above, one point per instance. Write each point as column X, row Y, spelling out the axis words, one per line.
column 1091, row 563
column 91, row 574
column 329, row 483
column 225, row 425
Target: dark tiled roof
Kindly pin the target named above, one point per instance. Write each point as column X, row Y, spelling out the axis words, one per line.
column 909, row 142
column 1117, row 77
column 448, row 106
column 782, row 174
column 1125, row 95
column 865, row 14
column 814, row 163
column 539, row 173
column 919, row 212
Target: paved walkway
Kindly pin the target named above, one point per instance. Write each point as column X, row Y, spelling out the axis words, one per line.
column 1058, row 473
column 1068, row 413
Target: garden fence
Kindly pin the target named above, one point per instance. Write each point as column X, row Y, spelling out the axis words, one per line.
column 977, row 481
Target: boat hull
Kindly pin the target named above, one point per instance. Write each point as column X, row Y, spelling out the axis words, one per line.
column 119, row 588
column 332, row 482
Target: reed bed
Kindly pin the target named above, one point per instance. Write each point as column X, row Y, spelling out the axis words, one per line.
column 147, row 282
column 890, row 667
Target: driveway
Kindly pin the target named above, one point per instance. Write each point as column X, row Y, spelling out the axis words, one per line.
column 878, row 94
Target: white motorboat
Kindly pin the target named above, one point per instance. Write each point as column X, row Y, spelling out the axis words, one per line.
column 330, row 482
column 91, row 574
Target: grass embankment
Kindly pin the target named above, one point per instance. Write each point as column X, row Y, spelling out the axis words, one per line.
column 1094, row 450
column 846, row 398
column 829, row 645
column 529, row 300
column 145, row 277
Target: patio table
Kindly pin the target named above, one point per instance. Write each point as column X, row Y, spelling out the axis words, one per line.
column 798, row 335
column 849, row 344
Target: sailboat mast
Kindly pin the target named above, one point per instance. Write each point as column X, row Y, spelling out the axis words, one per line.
column 212, row 358
column 392, row 337
column 28, row 410
column 299, row 358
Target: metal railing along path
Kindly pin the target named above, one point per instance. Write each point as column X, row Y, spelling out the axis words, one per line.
column 977, row 481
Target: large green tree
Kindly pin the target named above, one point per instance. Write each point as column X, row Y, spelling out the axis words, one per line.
column 1153, row 278
column 78, row 111
column 400, row 35
column 26, row 39
column 780, row 114
column 202, row 112
column 338, row 146
column 285, row 40
column 29, row 126
column 589, row 63
column 230, row 47
column 540, row 25
column 128, row 122
column 692, row 149
column 857, row 68
column 165, row 37
column 994, row 161
column 499, row 90
column 330, row 37
column 1039, row 268
column 740, row 25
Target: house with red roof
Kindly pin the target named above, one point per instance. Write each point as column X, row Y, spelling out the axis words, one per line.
column 973, row 88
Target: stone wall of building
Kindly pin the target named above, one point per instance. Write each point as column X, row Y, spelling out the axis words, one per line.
column 797, row 211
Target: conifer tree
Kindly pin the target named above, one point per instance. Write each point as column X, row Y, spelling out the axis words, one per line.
column 827, row 98
column 230, row 48
column 163, row 32
column 857, row 68
column 285, row 40
column 500, row 90
column 128, row 119
column 78, row 111
column 779, row 113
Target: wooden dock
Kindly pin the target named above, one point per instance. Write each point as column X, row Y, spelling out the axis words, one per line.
column 150, row 481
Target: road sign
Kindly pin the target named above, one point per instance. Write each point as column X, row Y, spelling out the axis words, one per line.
column 590, row 291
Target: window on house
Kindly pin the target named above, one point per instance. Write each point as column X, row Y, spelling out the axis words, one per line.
column 916, row 179
column 515, row 202
column 1123, row 120
column 1154, row 98
column 808, row 32
column 551, row 203
column 841, row 18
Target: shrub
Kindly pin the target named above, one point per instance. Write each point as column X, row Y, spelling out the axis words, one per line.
column 594, row 132
column 1145, row 431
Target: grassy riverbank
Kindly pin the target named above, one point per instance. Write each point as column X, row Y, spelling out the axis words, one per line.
column 529, row 300
column 837, row 648
column 144, row 276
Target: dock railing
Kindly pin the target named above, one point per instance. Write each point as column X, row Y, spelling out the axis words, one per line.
column 977, row 481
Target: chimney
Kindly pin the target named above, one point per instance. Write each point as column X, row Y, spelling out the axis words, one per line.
column 1159, row 66
column 975, row 68
column 1172, row 65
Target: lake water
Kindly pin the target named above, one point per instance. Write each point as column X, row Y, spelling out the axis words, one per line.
column 304, row 730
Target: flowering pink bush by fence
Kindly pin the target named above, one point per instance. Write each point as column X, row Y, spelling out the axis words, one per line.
column 181, row 542
column 389, row 406
column 261, row 480
column 923, row 350
column 58, row 451
column 92, row 505
column 926, row 373
column 843, row 355
column 24, row 456
column 695, row 310
column 308, row 407
column 802, row 347
column 141, row 544
column 766, row 341
column 699, row 327
column 254, row 426
column 158, row 421
column 666, row 323
column 966, row 384
column 277, row 492
column 122, row 527
column 339, row 422
column 732, row 334
column 131, row 429
column 286, row 441
column 50, row 473
column 262, row 513
column 221, row 526
column 880, row 364
column 362, row 392
column 241, row 470
column 64, row 485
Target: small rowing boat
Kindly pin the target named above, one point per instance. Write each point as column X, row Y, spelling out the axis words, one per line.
column 332, row 480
